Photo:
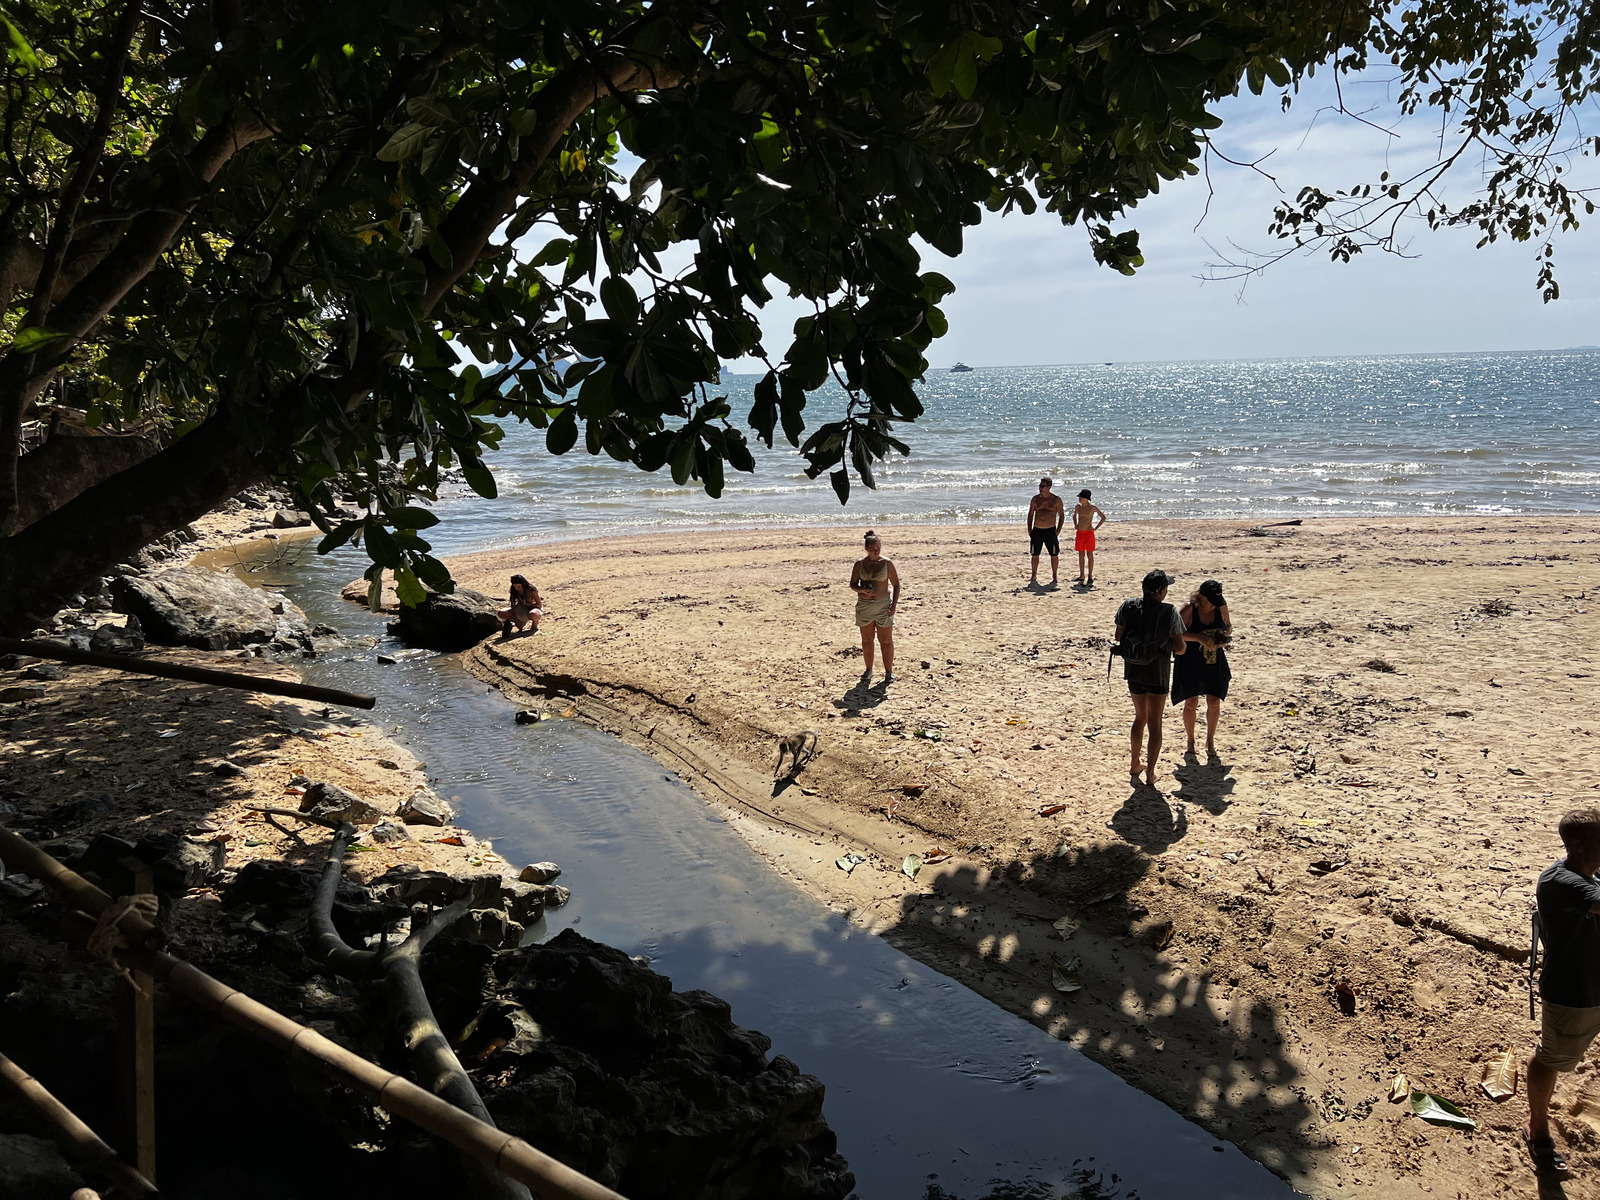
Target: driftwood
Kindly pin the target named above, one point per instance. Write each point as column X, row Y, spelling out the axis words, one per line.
column 434, row 1064
column 166, row 670
column 495, row 1152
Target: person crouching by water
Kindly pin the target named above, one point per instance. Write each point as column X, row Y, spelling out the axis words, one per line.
column 1569, row 985
column 526, row 606
column 1202, row 669
column 1149, row 632
column 877, row 588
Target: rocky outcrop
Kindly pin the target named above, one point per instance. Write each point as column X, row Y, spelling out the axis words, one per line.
column 189, row 606
column 458, row 621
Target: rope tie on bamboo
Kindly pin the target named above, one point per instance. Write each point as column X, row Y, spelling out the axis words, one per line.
column 107, row 937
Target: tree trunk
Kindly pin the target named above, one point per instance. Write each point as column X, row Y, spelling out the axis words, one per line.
column 46, row 562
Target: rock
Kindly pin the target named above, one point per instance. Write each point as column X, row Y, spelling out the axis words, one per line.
column 385, row 832
column 387, row 660
column 541, row 872
column 457, row 621
column 12, row 662
column 425, row 809
column 31, row 1167
column 488, row 927
column 409, row 885
column 188, row 606
column 22, row 692
column 230, row 770
column 47, row 671
column 338, row 804
column 388, row 764
column 113, row 639
column 290, row 518
column 529, row 716
column 20, row 887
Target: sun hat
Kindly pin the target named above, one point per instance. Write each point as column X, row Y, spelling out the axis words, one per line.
column 1084, row 495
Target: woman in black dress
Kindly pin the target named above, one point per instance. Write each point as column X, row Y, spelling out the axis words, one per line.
column 1202, row 669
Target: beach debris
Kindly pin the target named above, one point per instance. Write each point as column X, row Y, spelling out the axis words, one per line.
column 453, row 840
column 1100, row 899
column 1066, row 926
column 1430, row 772
column 1163, row 934
column 849, row 862
column 1345, row 995
column 1399, row 1089
column 1327, row 866
column 1064, row 976
column 1516, row 770
column 935, row 856
column 1016, row 720
column 911, row 865
column 913, row 789
column 1380, row 664
column 169, row 733
column 423, row 808
column 1436, row 1110
column 1498, row 1076
column 570, row 711
column 539, row 872
column 1050, row 810
column 531, row 716
column 932, row 735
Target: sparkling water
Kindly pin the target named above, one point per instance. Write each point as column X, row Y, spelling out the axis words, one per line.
column 1498, row 433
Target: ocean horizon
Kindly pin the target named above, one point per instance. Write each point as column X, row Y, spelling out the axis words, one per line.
column 1488, row 433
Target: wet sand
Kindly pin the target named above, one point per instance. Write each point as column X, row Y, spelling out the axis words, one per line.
column 1264, row 941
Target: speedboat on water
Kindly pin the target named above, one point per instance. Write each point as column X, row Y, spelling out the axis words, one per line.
column 960, row 366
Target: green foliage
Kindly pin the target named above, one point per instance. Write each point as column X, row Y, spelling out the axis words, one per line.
column 327, row 287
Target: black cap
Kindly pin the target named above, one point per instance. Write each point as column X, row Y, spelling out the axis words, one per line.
column 1212, row 591
column 1084, row 495
column 1156, row 580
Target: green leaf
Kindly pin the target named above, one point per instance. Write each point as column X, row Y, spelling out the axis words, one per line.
column 563, row 432
column 381, row 545
column 941, row 68
column 1436, row 1110
column 21, row 53
column 480, row 479
column 34, row 338
column 413, row 518
column 340, row 535
column 408, row 589
column 964, row 78
column 841, row 484
column 405, row 142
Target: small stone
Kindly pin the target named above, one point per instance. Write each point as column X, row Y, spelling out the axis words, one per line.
column 339, row 804
column 23, row 692
column 425, row 809
column 48, row 671
column 927, row 664
column 540, row 872
column 231, row 770
column 385, row 832
column 388, row 764
column 528, row 716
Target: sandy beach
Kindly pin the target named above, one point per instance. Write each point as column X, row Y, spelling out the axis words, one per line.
column 1263, row 942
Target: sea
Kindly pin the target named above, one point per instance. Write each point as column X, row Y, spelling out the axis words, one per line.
column 1426, row 434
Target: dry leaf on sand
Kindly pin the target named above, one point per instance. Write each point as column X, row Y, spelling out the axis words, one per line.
column 1498, row 1077
column 1399, row 1089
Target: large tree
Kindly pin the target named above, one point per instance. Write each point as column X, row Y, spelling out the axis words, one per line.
column 268, row 231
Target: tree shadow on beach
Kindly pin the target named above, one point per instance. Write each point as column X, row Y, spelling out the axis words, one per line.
column 1151, row 1009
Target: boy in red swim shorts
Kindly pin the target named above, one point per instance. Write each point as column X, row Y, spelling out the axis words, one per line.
column 1086, row 518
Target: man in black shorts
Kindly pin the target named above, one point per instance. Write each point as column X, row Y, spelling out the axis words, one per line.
column 1150, row 632
column 1569, row 986
column 1046, row 514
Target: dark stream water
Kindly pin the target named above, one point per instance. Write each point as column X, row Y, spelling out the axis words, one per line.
column 929, row 1086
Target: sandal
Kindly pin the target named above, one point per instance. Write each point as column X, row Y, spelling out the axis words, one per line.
column 1547, row 1160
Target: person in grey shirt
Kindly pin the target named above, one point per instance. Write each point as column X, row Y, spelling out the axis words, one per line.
column 1569, row 985
column 1149, row 632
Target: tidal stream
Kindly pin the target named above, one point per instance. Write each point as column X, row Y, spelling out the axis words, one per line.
column 932, row 1090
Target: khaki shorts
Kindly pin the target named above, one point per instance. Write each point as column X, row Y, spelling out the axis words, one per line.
column 1565, row 1034
column 879, row 612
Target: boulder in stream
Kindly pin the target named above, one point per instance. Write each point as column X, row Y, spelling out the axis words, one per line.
column 457, row 621
column 208, row 610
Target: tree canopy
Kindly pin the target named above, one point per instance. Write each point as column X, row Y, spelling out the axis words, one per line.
column 274, row 233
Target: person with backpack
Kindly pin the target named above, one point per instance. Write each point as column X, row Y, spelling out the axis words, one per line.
column 1569, row 986
column 1149, row 632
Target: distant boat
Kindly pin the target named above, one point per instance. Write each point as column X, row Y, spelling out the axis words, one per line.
column 960, row 366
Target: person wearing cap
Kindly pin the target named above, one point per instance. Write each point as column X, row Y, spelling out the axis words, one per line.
column 1202, row 668
column 1086, row 519
column 1149, row 632
column 1046, row 514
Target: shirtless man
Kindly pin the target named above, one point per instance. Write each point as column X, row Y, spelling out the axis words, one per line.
column 1046, row 514
column 1084, row 524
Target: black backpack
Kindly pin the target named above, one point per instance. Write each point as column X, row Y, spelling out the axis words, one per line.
column 1149, row 641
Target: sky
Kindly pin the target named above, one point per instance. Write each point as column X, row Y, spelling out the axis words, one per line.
column 1028, row 291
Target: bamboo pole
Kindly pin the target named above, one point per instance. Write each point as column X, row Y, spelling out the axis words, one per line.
column 547, row 1177
column 79, row 1138
column 166, row 670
